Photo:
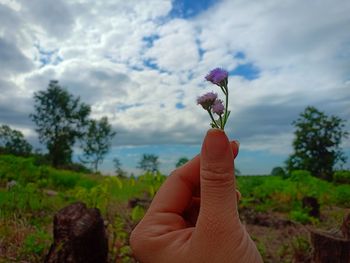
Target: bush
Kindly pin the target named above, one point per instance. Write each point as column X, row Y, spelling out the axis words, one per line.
column 342, row 176
column 343, row 195
column 64, row 179
column 300, row 176
column 300, row 216
column 37, row 243
column 278, row 171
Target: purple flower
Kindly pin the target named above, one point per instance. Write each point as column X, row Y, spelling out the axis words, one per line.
column 218, row 107
column 217, row 76
column 207, row 100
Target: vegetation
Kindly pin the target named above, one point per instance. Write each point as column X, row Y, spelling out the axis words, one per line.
column 97, row 141
column 149, row 163
column 118, row 168
column 30, row 194
column 181, row 161
column 317, row 143
column 32, row 190
column 13, row 142
column 60, row 119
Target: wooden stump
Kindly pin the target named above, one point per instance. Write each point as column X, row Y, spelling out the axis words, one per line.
column 312, row 205
column 333, row 246
column 79, row 236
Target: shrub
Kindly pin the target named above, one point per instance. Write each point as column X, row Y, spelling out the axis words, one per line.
column 278, row 171
column 137, row 213
column 342, row 176
column 300, row 216
column 36, row 243
column 343, row 195
column 63, row 179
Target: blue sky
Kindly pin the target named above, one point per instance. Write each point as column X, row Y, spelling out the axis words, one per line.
column 142, row 64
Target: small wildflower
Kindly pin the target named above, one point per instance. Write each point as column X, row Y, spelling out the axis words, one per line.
column 207, row 100
column 210, row 101
column 217, row 76
column 218, row 107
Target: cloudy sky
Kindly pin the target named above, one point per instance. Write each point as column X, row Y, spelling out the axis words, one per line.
column 142, row 63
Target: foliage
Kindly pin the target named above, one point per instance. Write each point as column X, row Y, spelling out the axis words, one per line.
column 13, row 142
column 26, row 209
column 137, row 213
column 317, row 143
column 181, row 162
column 97, row 141
column 342, row 176
column 278, row 171
column 60, row 119
column 37, row 243
column 343, row 195
column 300, row 216
column 118, row 168
column 149, row 163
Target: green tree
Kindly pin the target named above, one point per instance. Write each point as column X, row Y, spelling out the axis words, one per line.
column 148, row 163
column 97, row 141
column 13, row 142
column 181, row 161
column 278, row 171
column 60, row 119
column 118, row 168
column 317, row 143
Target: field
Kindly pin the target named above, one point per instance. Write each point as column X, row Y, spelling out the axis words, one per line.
column 271, row 207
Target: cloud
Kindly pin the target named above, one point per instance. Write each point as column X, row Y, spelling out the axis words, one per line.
column 142, row 63
column 12, row 60
column 54, row 17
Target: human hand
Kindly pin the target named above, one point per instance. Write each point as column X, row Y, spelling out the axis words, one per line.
column 193, row 217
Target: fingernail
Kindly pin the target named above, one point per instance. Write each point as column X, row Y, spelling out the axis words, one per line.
column 216, row 144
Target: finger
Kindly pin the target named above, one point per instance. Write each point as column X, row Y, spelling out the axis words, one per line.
column 218, row 195
column 239, row 195
column 176, row 192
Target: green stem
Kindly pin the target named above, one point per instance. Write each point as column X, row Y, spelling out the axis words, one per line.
column 226, row 107
column 211, row 116
column 221, row 122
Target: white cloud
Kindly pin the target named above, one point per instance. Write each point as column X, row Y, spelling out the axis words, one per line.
column 301, row 49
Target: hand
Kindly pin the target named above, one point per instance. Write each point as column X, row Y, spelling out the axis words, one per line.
column 193, row 217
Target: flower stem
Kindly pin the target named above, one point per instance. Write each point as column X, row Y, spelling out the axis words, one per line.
column 212, row 118
column 226, row 107
column 221, row 122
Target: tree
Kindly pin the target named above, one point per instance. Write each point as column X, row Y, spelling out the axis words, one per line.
column 97, row 141
column 278, row 171
column 149, row 163
column 118, row 168
column 60, row 119
column 317, row 143
column 13, row 142
column 181, row 162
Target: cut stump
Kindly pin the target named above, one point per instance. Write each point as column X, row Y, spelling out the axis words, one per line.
column 311, row 203
column 79, row 236
column 333, row 246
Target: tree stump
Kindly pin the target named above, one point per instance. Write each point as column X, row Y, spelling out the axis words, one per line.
column 79, row 236
column 312, row 205
column 333, row 246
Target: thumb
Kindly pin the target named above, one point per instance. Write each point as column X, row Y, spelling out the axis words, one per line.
column 218, row 194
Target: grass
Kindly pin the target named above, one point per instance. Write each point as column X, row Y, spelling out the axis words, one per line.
column 27, row 210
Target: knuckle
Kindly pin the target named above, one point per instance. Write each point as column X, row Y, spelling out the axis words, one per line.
column 216, row 172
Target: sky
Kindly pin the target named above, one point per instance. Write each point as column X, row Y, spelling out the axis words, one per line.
column 142, row 64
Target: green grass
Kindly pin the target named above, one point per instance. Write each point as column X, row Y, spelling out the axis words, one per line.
column 26, row 210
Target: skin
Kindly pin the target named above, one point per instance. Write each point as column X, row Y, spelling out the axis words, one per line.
column 193, row 217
